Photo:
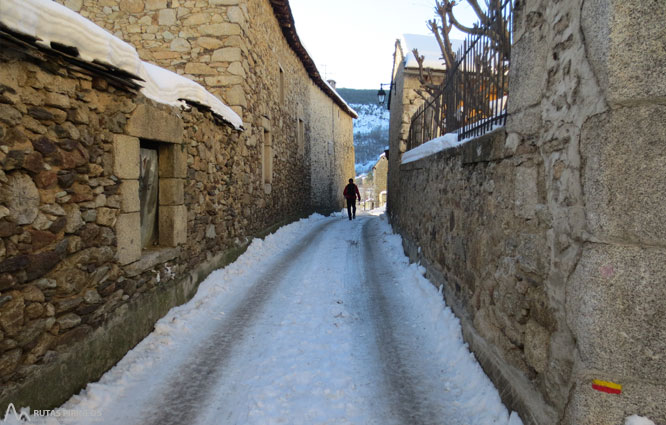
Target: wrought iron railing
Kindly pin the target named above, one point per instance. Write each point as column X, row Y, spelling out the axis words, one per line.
column 472, row 98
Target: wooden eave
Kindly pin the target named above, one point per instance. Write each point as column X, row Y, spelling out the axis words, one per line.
column 285, row 18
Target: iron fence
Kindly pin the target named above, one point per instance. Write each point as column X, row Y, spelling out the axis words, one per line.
column 472, row 98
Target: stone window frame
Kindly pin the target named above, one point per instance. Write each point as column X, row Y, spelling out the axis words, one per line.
column 165, row 131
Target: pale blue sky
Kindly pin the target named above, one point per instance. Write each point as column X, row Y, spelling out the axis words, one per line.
column 352, row 41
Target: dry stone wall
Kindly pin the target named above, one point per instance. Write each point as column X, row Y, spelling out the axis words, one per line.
column 547, row 235
column 77, row 290
column 332, row 152
column 235, row 49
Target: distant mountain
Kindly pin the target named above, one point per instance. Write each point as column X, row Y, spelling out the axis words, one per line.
column 370, row 129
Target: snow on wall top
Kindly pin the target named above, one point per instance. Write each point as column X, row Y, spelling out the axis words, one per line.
column 49, row 22
column 438, row 144
column 428, row 48
column 165, row 86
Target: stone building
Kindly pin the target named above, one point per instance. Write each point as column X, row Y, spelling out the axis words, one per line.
column 379, row 178
column 248, row 53
column 547, row 235
column 404, row 99
column 91, row 255
column 372, row 186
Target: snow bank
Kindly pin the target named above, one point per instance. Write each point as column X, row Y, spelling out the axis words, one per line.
column 446, row 141
column 449, row 140
column 447, row 355
column 637, row 420
column 50, row 22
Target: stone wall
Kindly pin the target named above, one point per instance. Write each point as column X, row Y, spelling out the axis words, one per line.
column 77, row 289
column 404, row 102
column 235, row 49
column 332, row 152
column 547, row 235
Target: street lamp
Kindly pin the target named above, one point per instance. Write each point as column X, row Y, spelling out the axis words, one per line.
column 381, row 94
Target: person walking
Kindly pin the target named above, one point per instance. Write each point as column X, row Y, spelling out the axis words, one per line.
column 351, row 193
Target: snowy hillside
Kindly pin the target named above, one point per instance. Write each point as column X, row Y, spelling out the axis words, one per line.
column 370, row 129
column 370, row 135
column 370, row 117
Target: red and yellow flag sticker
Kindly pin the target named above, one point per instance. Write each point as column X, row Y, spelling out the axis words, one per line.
column 606, row 386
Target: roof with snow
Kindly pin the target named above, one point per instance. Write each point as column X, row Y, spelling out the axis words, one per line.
column 285, row 18
column 50, row 25
column 428, row 48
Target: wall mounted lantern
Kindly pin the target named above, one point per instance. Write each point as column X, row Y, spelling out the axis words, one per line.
column 381, row 94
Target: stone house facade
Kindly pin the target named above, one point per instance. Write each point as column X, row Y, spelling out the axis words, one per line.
column 246, row 52
column 372, row 186
column 547, row 235
column 379, row 179
column 332, row 155
column 81, row 278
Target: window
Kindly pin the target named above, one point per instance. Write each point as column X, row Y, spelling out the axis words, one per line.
column 300, row 136
column 267, row 169
column 148, row 193
column 281, row 86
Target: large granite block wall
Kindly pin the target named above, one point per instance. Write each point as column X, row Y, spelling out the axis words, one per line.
column 548, row 235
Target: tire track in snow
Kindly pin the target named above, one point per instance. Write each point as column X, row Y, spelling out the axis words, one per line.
column 407, row 404
column 188, row 389
column 366, row 348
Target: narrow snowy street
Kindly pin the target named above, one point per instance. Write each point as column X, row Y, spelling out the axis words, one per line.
column 323, row 322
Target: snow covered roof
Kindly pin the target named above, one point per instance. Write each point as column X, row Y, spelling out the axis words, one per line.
column 285, row 18
column 50, row 23
column 428, row 48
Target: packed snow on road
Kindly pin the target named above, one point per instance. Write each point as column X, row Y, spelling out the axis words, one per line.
column 323, row 322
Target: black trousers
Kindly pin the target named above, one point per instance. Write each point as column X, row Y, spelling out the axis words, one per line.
column 351, row 207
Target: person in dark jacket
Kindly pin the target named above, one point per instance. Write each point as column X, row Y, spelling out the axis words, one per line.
column 350, row 194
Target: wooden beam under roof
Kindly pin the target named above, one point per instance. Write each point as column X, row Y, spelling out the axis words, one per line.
column 282, row 12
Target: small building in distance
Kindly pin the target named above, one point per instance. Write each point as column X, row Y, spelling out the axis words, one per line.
column 380, row 175
column 372, row 186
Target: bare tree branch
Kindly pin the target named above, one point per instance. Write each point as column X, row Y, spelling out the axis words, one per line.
column 425, row 80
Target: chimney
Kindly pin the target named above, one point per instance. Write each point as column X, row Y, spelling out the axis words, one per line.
column 331, row 83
